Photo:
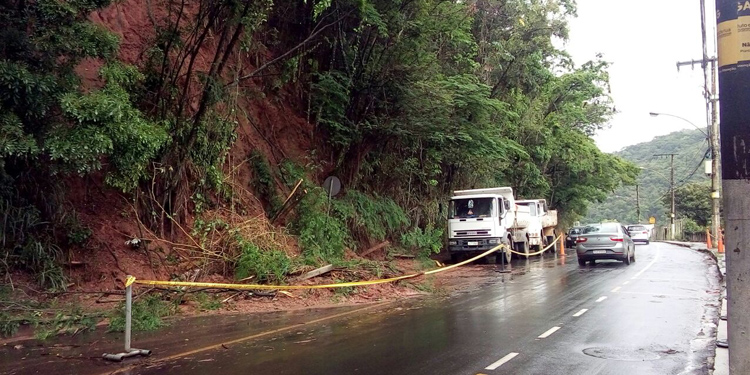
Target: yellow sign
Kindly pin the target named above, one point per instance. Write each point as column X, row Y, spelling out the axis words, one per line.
column 652, row 220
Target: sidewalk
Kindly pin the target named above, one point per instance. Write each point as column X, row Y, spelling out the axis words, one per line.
column 721, row 360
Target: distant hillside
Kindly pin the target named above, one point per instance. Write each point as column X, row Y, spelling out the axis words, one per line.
column 691, row 147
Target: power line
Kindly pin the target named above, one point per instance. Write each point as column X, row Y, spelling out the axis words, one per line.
column 682, row 182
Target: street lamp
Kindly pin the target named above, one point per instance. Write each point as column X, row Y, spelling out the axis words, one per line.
column 713, row 142
column 655, row 114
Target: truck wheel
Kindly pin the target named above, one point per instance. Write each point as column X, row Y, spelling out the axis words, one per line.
column 521, row 247
column 581, row 262
column 455, row 258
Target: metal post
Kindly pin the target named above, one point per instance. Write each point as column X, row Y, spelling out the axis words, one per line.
column 128, row 315
column 734, row 83
column 129, row 352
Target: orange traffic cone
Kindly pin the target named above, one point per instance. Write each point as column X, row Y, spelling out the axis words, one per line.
column 562, row 244
column 708, row 240
column 721, row 242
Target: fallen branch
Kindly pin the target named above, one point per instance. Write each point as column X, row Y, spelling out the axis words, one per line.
column 407, row 256
column 375, row 248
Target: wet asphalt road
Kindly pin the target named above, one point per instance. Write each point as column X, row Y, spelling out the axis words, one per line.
column 656, row 316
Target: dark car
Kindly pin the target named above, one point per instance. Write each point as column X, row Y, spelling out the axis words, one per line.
column 605, row 241
column 573, row 233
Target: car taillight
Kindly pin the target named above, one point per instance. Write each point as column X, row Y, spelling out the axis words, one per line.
column 616, row 239
column 645, row 232
column 581, row 239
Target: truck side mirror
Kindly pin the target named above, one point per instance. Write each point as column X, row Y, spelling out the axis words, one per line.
column 506, row 204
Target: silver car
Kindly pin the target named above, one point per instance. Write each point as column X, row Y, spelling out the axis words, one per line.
column 639, row 233
column 605, row 241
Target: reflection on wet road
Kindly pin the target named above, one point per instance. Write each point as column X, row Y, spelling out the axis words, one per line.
column 653, row 317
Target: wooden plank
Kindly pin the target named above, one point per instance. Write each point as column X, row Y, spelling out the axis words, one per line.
column 375, row 248
column 317, row 272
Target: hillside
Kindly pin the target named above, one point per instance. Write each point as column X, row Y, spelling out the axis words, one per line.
column 163, row 137
column 690, row 147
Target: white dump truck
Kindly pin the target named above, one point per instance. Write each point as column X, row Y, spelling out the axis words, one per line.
column 541, row 223
column 480, row 219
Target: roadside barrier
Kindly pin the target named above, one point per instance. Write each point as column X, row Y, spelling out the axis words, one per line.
column 131, row 281
column 540, row 251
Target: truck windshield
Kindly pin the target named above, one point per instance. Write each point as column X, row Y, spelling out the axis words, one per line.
column 471, row 208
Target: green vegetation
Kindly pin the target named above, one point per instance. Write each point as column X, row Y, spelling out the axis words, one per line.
column 655, row 200
column 693, row 201
column 148, row 314
column 425, row 242
column 264, row 183
column 407, row 101
column 265, row 265
column 48, row 318
column 207, row 302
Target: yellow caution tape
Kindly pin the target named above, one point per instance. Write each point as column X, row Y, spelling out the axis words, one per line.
column 132, row 280
column 538, row 252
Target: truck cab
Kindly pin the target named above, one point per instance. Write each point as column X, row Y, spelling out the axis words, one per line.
column 479, row 220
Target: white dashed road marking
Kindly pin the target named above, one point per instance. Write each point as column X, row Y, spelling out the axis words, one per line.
column 637, row 275
column 501, row 361
column 602, row 298
column 583, row 311
column 626, row 283
column 615, row 290
column 548, row 333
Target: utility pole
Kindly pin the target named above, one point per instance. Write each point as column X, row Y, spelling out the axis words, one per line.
column 734, row 83
column 671, row 188
column 712, row 133
column 637, row 203
column 712, row 116
column 711, row 95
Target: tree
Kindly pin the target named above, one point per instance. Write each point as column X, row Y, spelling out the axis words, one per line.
column 692, row 201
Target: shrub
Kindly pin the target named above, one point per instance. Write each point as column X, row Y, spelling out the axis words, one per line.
column 265, row 265
column 426, row 241
column 147, row 314
column 321, row 236
column 371, row 216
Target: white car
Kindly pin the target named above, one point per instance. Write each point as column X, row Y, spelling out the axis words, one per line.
column 639, row 233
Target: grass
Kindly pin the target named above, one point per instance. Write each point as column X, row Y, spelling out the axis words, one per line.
column 48, row 319
column 342, row 293
column 8, row 324
column 427, row 285
column 72, row 321
column 207, row 302
column 147, row 314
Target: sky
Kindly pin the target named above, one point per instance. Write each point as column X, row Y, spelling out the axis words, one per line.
column 644, row 40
